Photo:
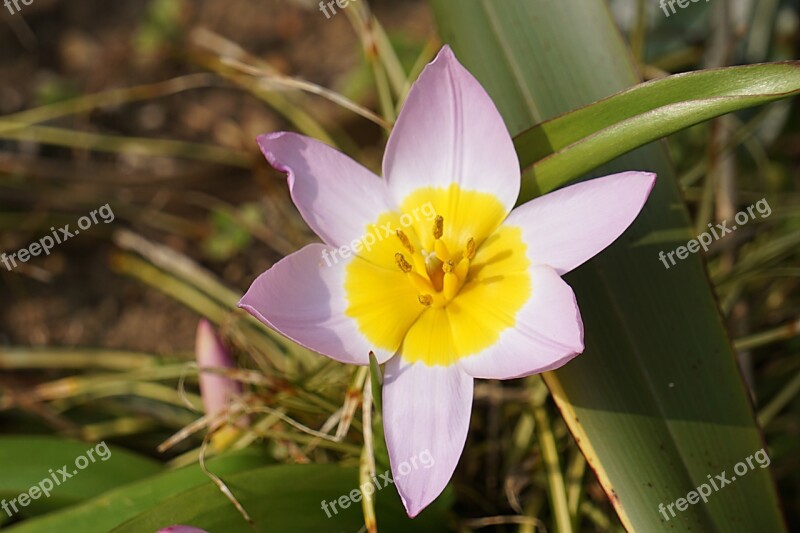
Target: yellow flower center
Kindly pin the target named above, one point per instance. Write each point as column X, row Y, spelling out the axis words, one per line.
column 437, row 275
column 440, row 276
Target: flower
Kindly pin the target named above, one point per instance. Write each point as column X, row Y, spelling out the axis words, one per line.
column 474, row 292
column 217, row 391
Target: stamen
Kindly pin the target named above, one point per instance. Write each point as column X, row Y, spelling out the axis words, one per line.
column 420, row 265
column 470, row 248
column 450, row 286
column 441, row 250
column 462, row 269
column 406, row 243
column 436, row 275
column 420, row 283
column 404, row 265
column 438, row 227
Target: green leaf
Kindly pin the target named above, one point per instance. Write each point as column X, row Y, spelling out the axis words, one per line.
column 566, row 147
column 656, row 401
column 28, row 461
column 376, row 382
column 286, row 498
column 111, row 509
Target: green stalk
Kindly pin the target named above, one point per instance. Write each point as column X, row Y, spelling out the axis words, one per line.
column 114, row 97
column 125, row 145
column 366, row 470
column 781, row 333
column 780, row 401
column 213, row 49
column 557, row 490
column 17, row 357
column 200, row 303
column 575, row 473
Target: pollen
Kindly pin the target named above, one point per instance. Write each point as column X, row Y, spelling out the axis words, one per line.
column 401, row 261
column 425, row 299
column 436, row 275
column 470, row 249
column 438, row 227
column 405, row 242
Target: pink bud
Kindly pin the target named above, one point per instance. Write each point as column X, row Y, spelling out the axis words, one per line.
column 215, row 389
column 181, row 529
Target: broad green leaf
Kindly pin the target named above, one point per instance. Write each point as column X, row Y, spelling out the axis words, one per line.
column 656, row 401
column 566, row 147
column 27, row 462
column 111, row 509
column 286, row 498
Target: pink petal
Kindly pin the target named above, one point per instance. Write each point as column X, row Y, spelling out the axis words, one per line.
column 548, row 333
column 181, row 529
column 302, row 296
column 567, row 227
column 449, row 130
column 216, row 390
column 426, row 414
column 336, row 196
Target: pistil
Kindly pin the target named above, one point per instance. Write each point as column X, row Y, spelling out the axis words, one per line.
column 437, row 276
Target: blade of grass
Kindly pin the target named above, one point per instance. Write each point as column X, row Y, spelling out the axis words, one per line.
column 557, row 490
column 114, row 97
column 129, row 145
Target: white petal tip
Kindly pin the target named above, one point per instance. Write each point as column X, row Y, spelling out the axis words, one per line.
column 447, row 52
column 414, row 508
column 266, row 142
column 265, row 138
column 648, row 178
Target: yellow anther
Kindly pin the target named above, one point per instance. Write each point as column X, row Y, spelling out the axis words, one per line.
column 438, row 227
column 441, row 250
column 406, row 243
column 404, row 265
column 470, row 248
column 450, row 286
column 437, row 275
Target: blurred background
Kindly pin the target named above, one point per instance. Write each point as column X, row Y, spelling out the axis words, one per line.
column 152, row 107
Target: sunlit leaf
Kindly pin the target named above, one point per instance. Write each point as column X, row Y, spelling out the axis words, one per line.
column 656, row 402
